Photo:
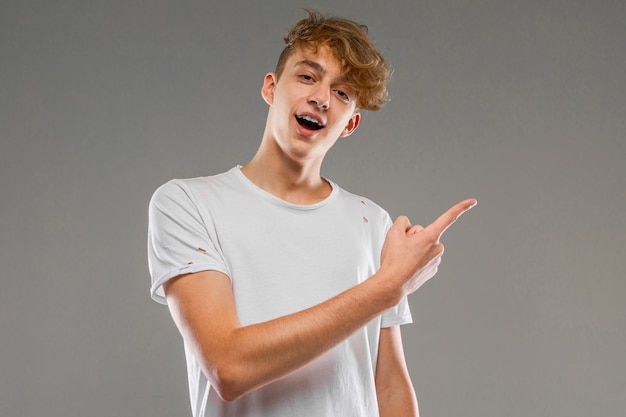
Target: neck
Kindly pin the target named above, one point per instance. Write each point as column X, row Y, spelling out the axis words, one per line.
column 297, row 182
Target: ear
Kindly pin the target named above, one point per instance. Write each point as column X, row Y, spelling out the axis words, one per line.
column 269, row 84
column 353, row 123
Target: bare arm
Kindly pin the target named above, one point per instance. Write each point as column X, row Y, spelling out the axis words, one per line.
column 394, row 389
column 238, row 359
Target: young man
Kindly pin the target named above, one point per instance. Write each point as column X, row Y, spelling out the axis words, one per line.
column 288, row 290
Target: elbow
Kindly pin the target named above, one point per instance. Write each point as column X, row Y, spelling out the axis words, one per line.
column 228, row 394
column 229, row 382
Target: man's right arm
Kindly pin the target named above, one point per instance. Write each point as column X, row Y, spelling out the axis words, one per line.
column 238, row 359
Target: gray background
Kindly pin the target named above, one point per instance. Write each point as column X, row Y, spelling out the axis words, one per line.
column 521, row 104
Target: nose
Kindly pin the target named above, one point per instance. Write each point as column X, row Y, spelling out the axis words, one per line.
column 320, row 97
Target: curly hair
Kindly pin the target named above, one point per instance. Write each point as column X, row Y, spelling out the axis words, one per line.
column 363, row 66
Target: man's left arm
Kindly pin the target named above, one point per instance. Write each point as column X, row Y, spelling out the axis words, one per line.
column 396, row 396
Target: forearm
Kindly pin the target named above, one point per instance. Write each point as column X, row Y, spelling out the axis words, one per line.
column 399, row 401
column 394, row 389
column 258, row 354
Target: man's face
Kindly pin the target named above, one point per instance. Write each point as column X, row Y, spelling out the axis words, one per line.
column 310, row 105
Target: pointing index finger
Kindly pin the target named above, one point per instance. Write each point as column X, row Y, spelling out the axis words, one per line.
column 449, row 217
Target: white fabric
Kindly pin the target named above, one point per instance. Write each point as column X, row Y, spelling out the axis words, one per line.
column 281, row 258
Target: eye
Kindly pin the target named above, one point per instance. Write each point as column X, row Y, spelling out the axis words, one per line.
column 306, row 77
column 343, row 95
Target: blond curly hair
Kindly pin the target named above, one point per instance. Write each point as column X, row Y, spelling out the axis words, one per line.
column 362, row 65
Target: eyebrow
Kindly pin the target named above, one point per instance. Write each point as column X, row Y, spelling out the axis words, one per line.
column 312, row 64
column 318, row 67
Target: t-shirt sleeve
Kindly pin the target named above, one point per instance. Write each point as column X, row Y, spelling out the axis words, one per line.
column 401, row 313
column 180, row 240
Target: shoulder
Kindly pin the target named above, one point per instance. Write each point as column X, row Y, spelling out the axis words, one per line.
column 370, row 209
column 188, row 189
column 175, row 192
column 361, row 200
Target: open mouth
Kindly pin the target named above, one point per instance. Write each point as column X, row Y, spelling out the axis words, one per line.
column 309, row 122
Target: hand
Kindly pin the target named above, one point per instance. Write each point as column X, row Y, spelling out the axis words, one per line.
column 411, row 254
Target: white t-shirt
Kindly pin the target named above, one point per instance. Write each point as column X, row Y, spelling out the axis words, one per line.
column 281, row 258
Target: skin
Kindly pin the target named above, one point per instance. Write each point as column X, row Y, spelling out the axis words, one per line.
column 239, row 359
column 289, row 159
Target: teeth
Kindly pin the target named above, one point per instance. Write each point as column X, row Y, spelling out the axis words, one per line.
column 311, row 119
